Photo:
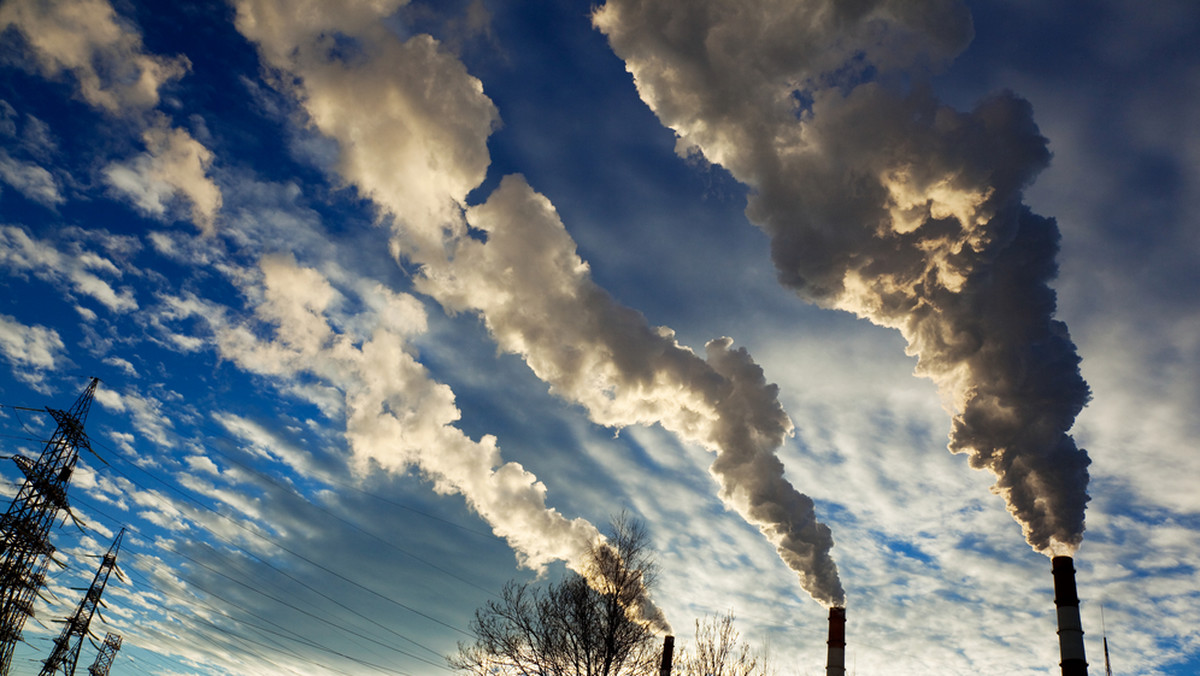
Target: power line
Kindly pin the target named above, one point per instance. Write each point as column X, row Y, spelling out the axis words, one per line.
column 23, row 408
column 225, row 633
column 387, row 543
column 20, row 438
column 284, row 603
column 188, row 514
column 65, row 655
column 280, row 546
column 177, row 552
column 330, row 478
column 294, row 636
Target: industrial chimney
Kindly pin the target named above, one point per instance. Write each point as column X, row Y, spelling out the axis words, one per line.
column 1070, row 629
column 664, row 669
column 835, row 662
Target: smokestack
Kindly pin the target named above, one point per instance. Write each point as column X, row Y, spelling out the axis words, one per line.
column 1070, row 629
column 668, row 652
column 835, row 661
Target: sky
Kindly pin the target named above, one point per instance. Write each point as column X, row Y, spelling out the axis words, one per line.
column 393, row 302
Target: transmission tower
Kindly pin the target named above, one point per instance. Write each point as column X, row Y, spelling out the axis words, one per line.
column 25, row 550
column 108, row 651
column 66, row 647
column 20, row 606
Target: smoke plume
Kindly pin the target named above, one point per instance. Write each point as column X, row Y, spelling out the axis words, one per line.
column 396, row 415
column 538, row 300
column 881, row 201
column 412, row 126
column 398, row 109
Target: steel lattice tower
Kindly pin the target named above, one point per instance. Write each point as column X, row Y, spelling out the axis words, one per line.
column 25, row 550
column 21, row 601
column 108, row 651
column 66, row 647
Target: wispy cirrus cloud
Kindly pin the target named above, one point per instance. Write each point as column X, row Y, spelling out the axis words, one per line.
column 78, row 270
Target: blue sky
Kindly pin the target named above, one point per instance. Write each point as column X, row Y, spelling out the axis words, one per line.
column 395, row 302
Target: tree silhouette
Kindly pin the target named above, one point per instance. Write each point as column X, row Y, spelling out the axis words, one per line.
column 718, row 652
column 576, row 627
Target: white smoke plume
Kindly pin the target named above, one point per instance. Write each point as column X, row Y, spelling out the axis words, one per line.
column 880, row 200
column 412, row 126
column 538, row 300
column 396, row 416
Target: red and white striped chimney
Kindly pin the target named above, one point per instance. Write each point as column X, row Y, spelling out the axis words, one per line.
column 1070, row 629
column 835, row 660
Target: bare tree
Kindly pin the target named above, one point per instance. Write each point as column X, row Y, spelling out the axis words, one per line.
column 718, row 652
column 573, row 627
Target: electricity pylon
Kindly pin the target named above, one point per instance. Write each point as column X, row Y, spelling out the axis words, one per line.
column 25, row 589
column 25, row 550
column 66, row 647
column 108, row 651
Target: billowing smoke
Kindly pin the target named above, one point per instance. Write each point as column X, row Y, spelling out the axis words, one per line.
column 882, row 201
column 538, row 300
column 412, row 126
column 396, row 415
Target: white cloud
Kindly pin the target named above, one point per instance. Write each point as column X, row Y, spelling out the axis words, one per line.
column 87, row 39
column 1141, row 421
column 123, row 439
column 31, row 180
column 397, row 416
column 110, row 399
column 123, row 364
column 8, row 119
column 200, row 463
column 146, row 412
column 105, row 55
column 174, row 164
column 270, row 444
column 37, row 139
column 23, row 254
column 30, row 350
column 33, row 346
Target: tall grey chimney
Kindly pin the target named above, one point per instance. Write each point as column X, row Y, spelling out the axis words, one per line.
column 835, row 661
column 668, row 652
column 1070, row 629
